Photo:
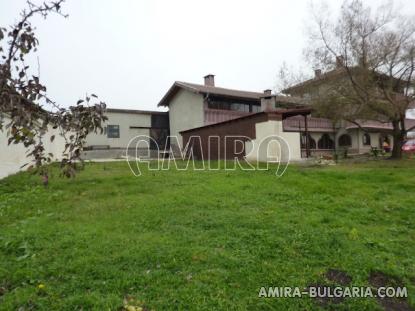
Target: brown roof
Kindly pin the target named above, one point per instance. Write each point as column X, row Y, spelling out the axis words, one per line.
column 376, row 125
column 324, row 76
column 214, row 90
column 203, row 89
column 116, row 110
column 297, row 124
column 274, row 114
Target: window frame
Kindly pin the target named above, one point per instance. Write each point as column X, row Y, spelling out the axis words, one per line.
column 110, row 129
column 341, row 140
column 366, row 139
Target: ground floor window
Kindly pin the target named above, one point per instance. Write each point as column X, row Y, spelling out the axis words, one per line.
column 113, row 131
column 345, row 140
column 325, row 142
column 366, row 139
column 311, row 141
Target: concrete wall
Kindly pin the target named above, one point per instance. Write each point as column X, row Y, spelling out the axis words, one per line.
column 12, row 157
column 125, row 121
column 185, row 112
column 262, row 153
column 356, row 135
column 357, row 140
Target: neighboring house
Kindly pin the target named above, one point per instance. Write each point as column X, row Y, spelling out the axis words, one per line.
column 359, row 137
column 410, row 114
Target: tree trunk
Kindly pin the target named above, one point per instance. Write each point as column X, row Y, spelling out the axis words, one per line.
column 398, row 140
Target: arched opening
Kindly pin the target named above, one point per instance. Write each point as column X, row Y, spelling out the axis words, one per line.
column 325, row 142
column 345, row 140
column 366, row 139
column 311, row 141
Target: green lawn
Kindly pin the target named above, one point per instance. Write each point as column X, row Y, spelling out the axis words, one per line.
column 203, row 240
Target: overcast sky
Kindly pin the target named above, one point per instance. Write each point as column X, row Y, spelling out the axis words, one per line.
column 129, row 52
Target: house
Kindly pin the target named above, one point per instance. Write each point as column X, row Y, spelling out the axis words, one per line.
column 206, row 110
column 231, row 117
column 196, row 105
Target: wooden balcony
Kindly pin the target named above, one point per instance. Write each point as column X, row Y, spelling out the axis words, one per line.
column 297, row 124
column 217, row 115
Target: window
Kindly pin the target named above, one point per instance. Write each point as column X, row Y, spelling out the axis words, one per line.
column 113, row 131
column 311, row 141
column 224, row 104
column 256, row 108
column 345, row 140
column 325, row 142
column 366, row 139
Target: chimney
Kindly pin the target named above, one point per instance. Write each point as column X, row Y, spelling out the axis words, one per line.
column 210, row 80
column 268, row 92
column 317, row 73
column 339, row 61
column 268, row 102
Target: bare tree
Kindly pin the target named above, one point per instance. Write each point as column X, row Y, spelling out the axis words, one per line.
column 373, row 54
column 23, row 98
column 287, row 76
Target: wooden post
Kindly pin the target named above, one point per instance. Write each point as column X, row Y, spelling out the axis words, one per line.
column 307, row 141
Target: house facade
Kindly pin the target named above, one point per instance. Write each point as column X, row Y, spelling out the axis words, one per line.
column 194, row 105
column 356, row 138
column 122, row 126
column 205, row 110
column 218, row 110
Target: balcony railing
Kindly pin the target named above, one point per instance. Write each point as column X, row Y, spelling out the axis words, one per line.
column 297, row 124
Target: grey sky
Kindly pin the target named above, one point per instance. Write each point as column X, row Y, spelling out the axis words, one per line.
column 130, row 52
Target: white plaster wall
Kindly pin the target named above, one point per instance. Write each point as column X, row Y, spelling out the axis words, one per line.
column 125, row 121
column 259, row 152
column 357, row 140
column 13, row 156
column 185, row 112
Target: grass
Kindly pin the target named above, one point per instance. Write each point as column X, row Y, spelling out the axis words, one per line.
column 205, row 240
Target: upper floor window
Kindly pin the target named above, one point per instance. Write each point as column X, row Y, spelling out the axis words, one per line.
column 223, row 104
column 113, row 131
column 256, row 108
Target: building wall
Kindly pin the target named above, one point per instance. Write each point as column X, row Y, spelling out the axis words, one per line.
column 125, row 121
column 185, row 112
column 262, row 152
column 252, row 130
column 356, row 135
column 13, row 156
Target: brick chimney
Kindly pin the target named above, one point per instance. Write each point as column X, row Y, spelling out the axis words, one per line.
column 210, row 80
column 317, row 73
column 268, row 92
